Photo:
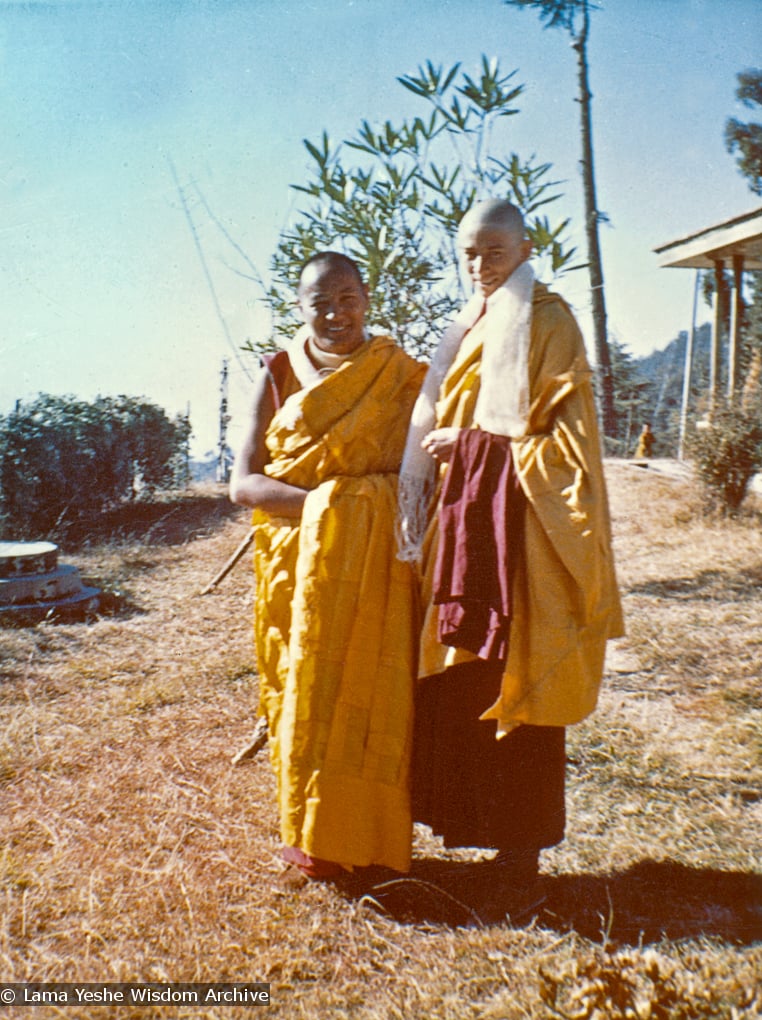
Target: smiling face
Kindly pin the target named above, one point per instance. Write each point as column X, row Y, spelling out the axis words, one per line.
column 333, row 302
column 492, row 245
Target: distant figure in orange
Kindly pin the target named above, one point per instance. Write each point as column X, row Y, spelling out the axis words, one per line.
column 645, row 442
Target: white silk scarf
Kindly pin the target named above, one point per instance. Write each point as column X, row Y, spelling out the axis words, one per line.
column 502, row 406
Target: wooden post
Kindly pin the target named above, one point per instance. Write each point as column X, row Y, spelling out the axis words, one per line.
column 714, row 359
column 223, row 468
column 736, row 315
column 230, row 563
column 688, row 371
column 256, row 743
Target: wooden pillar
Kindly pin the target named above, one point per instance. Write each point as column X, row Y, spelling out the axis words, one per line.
column 736, row 315
column 714, row 357
column 688, row 370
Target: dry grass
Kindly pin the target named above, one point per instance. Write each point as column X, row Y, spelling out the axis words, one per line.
column 131, row 849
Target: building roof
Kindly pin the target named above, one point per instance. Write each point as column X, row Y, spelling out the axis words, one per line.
column 739, row 236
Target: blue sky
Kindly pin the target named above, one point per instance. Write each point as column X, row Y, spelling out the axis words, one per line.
column 101, row 289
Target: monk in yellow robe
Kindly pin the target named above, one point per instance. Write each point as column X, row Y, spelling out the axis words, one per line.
column 335, row 609
column 645, row 443
column 518, row 577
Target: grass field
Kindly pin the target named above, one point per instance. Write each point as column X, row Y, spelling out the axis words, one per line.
column 131, row 848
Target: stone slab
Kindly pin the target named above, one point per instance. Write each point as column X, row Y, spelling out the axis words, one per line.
column 58, row 584
column 74, row 605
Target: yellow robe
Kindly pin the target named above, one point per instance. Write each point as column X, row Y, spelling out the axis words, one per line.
column 565, row 597
column 335, row 618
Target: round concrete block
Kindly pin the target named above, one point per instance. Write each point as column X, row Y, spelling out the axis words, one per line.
column 19, row 558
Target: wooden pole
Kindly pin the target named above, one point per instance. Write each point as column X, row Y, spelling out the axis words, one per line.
column 230, row 563
column 736, row 314
column 714, row 360
column 256, row 743
column 687, row 371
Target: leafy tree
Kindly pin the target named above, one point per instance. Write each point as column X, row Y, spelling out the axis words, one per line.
column 574, row 17
column 664, row 370
column 631, row 394
column 752, row 325
column 746, row 139
column 727, row 450
column 392, row 197
column 61, row 458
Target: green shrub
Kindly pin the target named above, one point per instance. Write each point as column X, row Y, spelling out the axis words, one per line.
column 62, row 458
column 727, row 454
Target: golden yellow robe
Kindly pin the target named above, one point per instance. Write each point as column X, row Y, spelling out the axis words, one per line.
column 565, row 596
column 335, row 617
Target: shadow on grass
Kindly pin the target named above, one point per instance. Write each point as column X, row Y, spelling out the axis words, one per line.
column 162, row 521
column 652, row 900
column 109, row 603
column 646, row 903
column 709, row 585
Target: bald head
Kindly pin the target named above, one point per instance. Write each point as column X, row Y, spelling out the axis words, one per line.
column 493, row 243
column 332, row 260
column 497, row 214
column 333, row 301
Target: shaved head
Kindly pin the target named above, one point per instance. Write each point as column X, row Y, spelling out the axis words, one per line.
column 495, row 213
column 492, row 243
column 331, row 260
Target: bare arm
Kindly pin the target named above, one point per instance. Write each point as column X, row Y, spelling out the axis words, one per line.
column 249, row 485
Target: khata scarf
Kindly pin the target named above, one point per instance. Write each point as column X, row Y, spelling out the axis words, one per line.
column 311, row 365
column 502, row 406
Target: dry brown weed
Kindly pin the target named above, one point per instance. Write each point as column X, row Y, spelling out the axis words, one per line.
column 132, row 849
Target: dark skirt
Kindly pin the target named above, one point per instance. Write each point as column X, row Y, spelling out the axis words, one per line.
column 472, row 789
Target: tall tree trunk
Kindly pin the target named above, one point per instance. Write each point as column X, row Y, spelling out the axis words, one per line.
column 602, row 355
